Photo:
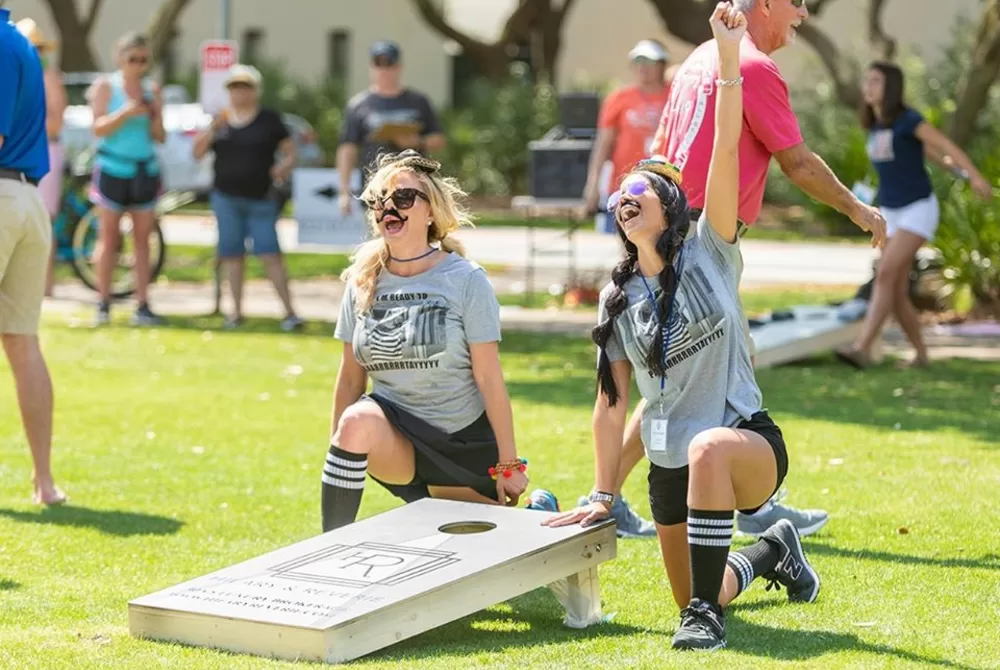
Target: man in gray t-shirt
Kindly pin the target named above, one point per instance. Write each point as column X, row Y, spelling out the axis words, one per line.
column 386, row 118
column 414, row 341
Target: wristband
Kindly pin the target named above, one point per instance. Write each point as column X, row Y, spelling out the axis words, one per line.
column 601, row 497
column 729, row 82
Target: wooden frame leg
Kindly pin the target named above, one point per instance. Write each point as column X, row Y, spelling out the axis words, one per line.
column 580, row 595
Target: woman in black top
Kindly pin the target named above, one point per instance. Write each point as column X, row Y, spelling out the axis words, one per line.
column 245, row 138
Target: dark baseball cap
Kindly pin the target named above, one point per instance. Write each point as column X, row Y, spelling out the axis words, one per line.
column 386, row 50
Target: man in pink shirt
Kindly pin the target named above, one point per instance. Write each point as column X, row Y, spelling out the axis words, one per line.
column 685, row 137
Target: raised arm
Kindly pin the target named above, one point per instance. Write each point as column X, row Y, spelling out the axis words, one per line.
column 722, row 191
column 939, row 143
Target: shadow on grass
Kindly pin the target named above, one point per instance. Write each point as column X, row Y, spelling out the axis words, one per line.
column 985, row 562
column 9, row 585
column 797, row 645
column 531, row 620
column 954, row 393
column 112, row 522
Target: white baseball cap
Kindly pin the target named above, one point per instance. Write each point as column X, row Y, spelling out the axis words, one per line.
column 650, row 50
column 244, row 74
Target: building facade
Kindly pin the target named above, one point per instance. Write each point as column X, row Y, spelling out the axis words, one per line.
column 319, row 37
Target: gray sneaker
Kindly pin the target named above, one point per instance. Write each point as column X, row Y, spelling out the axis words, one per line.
column 806, row 521
column 629, row 524
column 290, row 323
column 144, row 316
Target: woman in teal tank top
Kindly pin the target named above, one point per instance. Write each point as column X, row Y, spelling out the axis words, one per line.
column 128, row 122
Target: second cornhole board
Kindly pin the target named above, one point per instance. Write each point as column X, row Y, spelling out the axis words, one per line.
column 813, row 330
column 368, row 585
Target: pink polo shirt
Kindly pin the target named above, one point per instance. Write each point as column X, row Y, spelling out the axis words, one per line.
column 687, row 127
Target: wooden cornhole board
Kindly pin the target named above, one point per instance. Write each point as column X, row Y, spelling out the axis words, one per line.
column 814, row 329
column 365, row 586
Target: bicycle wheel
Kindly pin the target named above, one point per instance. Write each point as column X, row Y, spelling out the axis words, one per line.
column 85, row 244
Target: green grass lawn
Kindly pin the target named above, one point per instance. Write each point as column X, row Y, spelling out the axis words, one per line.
column 186, row 451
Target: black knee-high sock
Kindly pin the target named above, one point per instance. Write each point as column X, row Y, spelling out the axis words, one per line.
column 709, row 536
column 343, row 484
column 751, row 562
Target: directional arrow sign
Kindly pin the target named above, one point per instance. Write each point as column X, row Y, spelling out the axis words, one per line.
column 328, row 192
column 314, row 197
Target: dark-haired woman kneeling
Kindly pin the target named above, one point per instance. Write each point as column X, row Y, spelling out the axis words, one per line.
column 672, row 313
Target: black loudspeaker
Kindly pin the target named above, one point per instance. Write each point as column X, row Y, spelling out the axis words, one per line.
column 578, row 114
column 558, row 168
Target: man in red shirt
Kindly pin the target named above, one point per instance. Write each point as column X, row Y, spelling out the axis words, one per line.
column 629, row 118
column 685, row 137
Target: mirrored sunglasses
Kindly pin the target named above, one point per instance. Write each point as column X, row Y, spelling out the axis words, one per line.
column 633, row 187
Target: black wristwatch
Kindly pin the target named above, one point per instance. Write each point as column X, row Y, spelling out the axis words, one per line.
column 601, row 497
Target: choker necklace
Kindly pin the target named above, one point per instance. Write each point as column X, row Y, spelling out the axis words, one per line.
column 415, row 258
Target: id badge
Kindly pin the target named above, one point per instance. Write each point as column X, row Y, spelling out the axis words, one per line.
column 658, row 434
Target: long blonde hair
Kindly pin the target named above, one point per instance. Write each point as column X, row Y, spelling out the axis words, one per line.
column 447, row 214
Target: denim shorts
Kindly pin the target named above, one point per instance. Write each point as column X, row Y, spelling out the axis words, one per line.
column 240, row 219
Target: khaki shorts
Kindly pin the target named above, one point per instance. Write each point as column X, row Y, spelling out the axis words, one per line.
column 25, row 239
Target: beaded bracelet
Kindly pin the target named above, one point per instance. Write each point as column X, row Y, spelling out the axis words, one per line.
column 729, row 82
column 505, row 468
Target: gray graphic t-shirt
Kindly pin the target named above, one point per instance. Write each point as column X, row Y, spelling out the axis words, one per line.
column 367, row 113
column 710, row 381
column 414, row 341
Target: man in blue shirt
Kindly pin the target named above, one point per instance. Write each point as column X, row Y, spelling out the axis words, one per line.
column 25, row 238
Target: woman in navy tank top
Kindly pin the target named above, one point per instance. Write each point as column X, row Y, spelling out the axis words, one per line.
column 898, row 137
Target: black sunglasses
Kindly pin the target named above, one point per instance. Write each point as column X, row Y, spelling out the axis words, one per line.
column 402, row 198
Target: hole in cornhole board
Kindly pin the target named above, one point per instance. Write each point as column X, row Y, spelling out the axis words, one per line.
column 466, row 527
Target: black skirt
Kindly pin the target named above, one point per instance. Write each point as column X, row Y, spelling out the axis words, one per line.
column 462, row 458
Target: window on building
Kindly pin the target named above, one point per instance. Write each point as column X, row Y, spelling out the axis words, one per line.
column 338, row 54
column 252, row 48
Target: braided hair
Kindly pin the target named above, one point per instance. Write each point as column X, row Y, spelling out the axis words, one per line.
column 677, row 214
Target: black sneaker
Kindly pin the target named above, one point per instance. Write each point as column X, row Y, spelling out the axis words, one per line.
column 793, row 570
column 703, row 626
column 144, row 317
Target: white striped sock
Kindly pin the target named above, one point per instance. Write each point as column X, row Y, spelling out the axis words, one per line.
column 710, row 532
column 343, row 472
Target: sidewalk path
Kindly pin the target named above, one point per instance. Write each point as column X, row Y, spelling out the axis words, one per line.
column 764, row 262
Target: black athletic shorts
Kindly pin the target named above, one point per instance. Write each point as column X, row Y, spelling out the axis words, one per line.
column 462, row 458
column 138, row 192
column 668, row 486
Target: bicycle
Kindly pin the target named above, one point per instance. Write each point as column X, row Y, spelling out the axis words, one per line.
column 76, row 234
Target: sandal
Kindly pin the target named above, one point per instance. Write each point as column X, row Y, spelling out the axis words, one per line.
column 854, row 358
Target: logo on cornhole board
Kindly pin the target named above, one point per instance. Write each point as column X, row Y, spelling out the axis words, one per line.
column 365, row 564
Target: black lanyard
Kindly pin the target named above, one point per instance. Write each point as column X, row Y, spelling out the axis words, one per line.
column 665, row 324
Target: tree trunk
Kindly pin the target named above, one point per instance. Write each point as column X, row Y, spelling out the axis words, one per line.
column 162, row 27
column 75, row 52
column 983, row 69
column 534, row 21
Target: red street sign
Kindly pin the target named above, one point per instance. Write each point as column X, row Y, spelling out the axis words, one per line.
column 217, row 57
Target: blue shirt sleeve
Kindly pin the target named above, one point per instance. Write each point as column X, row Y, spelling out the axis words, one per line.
column 908, row 122
column 10, row 83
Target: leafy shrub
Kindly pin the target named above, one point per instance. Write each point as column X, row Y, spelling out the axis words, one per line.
column 968, row 238
column 488, row 139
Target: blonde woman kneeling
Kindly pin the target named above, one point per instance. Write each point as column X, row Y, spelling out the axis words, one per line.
column 424, row 323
